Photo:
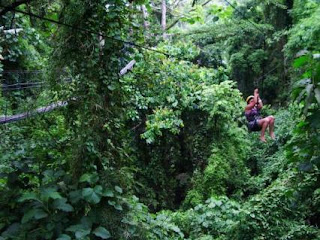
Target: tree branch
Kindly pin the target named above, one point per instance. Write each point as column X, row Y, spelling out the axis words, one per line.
column 164, row 17
column 145, row 17
column 179, row 18
column 13, row 6
column 128, row 67
column 51, row 107
column 17, row 117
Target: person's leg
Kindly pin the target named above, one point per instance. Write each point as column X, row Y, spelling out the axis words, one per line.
column 271, row 127
column 263, row 123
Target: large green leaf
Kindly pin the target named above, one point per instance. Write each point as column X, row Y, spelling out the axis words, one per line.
column 118, row 207
column 118, row 189
column 62, row 204
column 39, row 214
column 50, row 192
column 90, row 195
column 80, row 234
column 115, row 205
column 98, row 189
column 107, row 193
column 89, row 178
column 29, row 196
column 102, row 233
column 64, row 237
column 301, row 61
column 79, row 230
column 35, row 213
column 74, row 228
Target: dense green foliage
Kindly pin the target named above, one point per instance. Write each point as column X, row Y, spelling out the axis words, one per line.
column 161, row 152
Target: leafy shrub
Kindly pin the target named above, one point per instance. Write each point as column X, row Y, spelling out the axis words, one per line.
column 211, row 220
column 275, row 212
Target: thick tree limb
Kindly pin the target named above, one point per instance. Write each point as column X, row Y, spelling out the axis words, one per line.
column 13, row 6
column 145, row 17
column 49, row 108
column 164, row 17
column 128, row 67
column 13, row 31
column 17, row 117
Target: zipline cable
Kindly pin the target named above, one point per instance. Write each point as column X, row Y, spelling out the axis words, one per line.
column 21, row 88
column 116, row 39
column 127, row 42
column 92, row 32
column 254, row 24
column 264, row 75
column 256, row 81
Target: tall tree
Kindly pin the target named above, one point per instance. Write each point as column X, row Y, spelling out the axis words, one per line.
column 145, row 17
column 164, row 17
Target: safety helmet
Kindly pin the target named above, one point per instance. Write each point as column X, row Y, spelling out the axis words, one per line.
column 249, row 98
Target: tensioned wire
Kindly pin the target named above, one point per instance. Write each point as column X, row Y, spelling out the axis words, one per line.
column 25, row 99
column 92, row 32
column 231, row 5
column 132, row 43
column 123, row 41
column 108, row 37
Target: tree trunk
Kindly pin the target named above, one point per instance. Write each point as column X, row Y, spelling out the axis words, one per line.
column 17, row 117
column 145, row 17
column 163, row 18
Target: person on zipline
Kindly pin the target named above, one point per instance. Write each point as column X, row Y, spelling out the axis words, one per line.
column 255, row 121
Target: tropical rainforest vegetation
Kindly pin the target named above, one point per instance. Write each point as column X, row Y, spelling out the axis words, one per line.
column 125, row 119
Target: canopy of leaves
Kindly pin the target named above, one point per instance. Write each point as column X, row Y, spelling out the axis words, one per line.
column 161, row 152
